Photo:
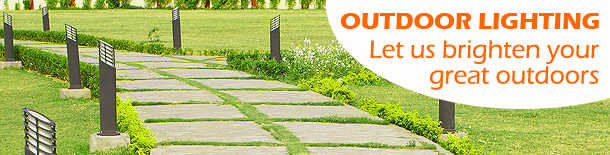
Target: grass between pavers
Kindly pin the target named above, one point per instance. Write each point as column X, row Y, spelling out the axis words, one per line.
column 373, row 145
column 169, row 143
column 327, row 103
column 135, row 103
column 278, row 132
column 164, row 120
column 206, row 61
column 580, row 129
column 76, row 119
column 122, row 90
column 334, row 119
column 201, row 29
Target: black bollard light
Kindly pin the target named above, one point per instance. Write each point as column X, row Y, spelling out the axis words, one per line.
column 446, row 114
column 108, row 123
column 8, row 38
column 176, row 28
column 39, row 133
column 275, row 39
column 73, row 62
column 45, row 18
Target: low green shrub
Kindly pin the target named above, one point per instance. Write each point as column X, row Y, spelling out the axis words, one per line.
column 290, row 3
column 26, row 5
column 425, row 126
column 86, row 4
column 362, row 78
column 244, row 4
column 260, row 4
column 305, row 4
column 125, row 3
column 321, row 4
column 217, row 4
column 99, row 4
column 113, row 3
column 55, row 66
column 330, row 87
column 65, row 3
column 87, row 40
column 409, row 120
column 142, row 141
column 274, row 3
column 17, row 6
column 459, row 146
column 257, row 64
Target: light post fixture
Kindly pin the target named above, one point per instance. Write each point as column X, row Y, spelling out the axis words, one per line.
column 76, row 89
column 39, row 133
column 108, row 137
column 45, row 18
column 9, row 53
column 446, row 114
column 275, row 39
column 176, row 28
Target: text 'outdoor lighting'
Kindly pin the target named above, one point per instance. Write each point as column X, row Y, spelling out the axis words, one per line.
column 39, row 133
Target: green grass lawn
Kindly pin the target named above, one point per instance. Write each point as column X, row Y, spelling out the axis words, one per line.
column 201, row 29
column 581, row 129
column 76, row 119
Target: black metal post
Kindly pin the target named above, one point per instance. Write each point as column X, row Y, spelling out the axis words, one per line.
column 73, row 62
column 446, row 114
column 275, row 39
column 8, row 38
column 45, row 18
column 176, row 28
column 108, row 124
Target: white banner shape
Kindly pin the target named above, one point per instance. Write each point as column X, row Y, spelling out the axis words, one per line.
column 503, row 54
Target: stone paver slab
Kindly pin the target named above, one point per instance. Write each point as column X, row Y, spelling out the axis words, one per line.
column 287, row 111
column 171, row 96
column 205, row 73
column 278, row 96
column 350, row 133
column 134, row 54
column 189, row 111
column 218, row 150
column 197, row 57
column 210, row 132
column 138, row 74
column 154, row 84
column 89, row 60
column 47, row 46
column 80, row 50
column 219, row 62
column 144, row 59
column 124, row 66
column 366, row 151
column 239, row 84
column 90, row 54
column 171, row 65
column 23, row 42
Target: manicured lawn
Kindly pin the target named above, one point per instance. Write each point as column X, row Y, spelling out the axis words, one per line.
column 76, row 118
column 581, row 129
column 201, row 29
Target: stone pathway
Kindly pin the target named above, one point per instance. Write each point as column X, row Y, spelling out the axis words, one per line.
column 221, row 111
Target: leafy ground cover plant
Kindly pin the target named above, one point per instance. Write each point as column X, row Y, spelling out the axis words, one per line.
column 330, row 87
column 142, row 141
